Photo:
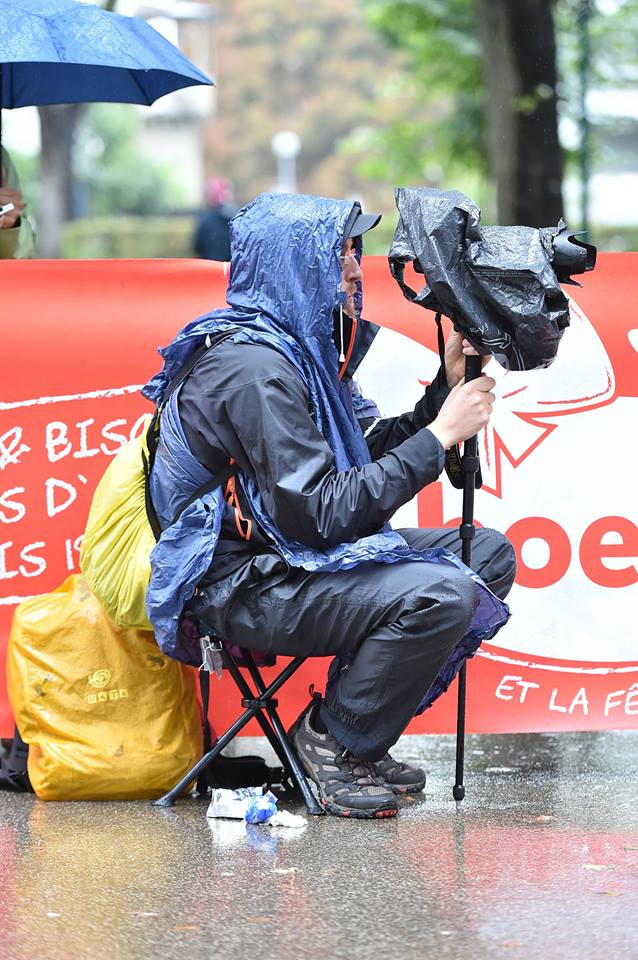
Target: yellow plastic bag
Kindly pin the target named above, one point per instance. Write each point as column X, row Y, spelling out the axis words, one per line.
column 105, row 713
column 118, row 540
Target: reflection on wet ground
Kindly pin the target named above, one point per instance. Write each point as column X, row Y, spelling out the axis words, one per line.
column 542, row 861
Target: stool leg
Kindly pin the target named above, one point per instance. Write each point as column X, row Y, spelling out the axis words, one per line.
column 259, row 717
column 289, row 758
column 168, row 799
column 299, row 775
column 274, row 730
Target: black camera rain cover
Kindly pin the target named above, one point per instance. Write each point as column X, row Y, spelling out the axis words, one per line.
column 496, row 284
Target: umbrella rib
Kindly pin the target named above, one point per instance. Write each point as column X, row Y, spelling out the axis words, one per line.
column 132, row 73
column 139, row 86
column 117, row 27
column 49, row 21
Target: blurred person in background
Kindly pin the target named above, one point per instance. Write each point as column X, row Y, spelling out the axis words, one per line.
column 16, row 233
column 212, row 236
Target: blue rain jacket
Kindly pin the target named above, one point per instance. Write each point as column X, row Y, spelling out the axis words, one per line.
column 285, row 283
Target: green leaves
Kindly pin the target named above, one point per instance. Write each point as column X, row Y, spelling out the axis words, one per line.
column 440, row 99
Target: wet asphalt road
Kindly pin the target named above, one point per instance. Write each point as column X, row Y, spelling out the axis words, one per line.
column 541, row 862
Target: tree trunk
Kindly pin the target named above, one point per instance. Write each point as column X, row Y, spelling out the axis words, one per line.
column 57, row 133
column 519, row 58
column 57, row 182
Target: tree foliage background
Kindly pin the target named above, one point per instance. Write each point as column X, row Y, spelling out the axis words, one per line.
column 313, row 67
column 381, row 93
column 455, row 93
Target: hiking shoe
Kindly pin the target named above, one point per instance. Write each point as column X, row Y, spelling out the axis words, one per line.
column 399, row 777
column 348, row 787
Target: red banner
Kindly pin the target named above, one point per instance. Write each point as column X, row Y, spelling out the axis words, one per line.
column 558, row 462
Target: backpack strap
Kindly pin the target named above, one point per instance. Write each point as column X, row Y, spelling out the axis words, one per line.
column 220, row 478
column 148, row 503
column 152, row 436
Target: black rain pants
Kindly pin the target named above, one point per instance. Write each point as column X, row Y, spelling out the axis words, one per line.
column 396, row 622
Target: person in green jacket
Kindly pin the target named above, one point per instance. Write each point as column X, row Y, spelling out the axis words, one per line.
column 16, row 232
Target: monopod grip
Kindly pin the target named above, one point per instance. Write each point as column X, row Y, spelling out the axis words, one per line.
column 453, row 461
column 473, row 368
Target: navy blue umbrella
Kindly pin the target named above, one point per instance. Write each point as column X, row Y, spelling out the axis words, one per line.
column 62, row 51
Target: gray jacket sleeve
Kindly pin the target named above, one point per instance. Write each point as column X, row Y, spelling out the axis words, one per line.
column 263, row 422
column 387, row 433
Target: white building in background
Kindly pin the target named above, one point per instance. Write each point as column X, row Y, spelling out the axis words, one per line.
column 613, row 189
column 21, row 130
column 172, row 129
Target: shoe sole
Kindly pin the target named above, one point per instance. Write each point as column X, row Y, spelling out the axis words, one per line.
column 353, row 813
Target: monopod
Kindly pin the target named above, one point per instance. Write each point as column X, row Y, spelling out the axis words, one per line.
column 470, row 467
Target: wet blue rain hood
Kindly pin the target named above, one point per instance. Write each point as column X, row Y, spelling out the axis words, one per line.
column 285, row 261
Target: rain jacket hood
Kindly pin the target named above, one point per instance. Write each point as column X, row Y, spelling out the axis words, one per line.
column 285, row 263
column 284, row 285
column 285, row 280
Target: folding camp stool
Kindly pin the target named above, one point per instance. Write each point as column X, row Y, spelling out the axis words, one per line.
column 260, row 704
